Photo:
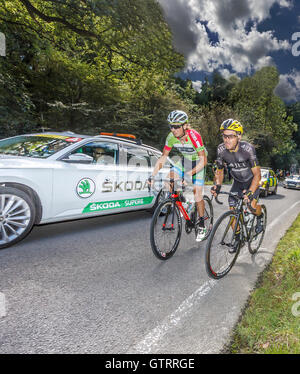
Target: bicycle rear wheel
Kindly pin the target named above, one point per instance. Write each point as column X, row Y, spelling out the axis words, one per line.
column 218, row 260
column 165, row 230
column 256, row 239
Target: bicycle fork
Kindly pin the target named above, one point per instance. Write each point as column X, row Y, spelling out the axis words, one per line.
column 164, row 226
column 237, row 219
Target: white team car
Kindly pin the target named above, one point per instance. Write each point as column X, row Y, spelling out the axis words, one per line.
column 53, row 177
column 293, row 181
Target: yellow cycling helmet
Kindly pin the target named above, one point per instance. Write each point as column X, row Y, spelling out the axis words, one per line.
column 232, row 124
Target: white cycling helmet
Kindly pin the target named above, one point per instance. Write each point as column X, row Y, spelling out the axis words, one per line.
column 177, row 116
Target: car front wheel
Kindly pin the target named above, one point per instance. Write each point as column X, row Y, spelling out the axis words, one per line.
column 17, row 215
column 161, row 196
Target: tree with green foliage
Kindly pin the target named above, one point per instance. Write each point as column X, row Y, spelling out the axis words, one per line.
column 263, row 114
column 85, row 63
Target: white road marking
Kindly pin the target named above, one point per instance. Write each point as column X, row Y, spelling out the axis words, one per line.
column 2, row 305
column 151, row 339
column 278, row 219
column 146, row 345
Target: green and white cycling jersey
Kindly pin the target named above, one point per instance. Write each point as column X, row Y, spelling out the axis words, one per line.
column 189, row 151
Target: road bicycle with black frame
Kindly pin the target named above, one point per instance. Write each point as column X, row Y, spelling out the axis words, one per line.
column 218, row 257
column 166, row 223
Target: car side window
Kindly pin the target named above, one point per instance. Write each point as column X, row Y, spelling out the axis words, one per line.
column 155, row 156
column 103, row 153
column 136, row 157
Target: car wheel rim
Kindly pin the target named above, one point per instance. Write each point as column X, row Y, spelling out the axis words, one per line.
column 163, row 196
column 14, row 217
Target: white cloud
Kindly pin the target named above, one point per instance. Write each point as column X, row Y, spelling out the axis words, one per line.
column 261, row 9
column 197, row 85
column 244, row 49
column 227, row 74
column 288, row 87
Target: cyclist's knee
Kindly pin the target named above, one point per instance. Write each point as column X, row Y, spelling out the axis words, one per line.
column 199, row 199
column 198, row 194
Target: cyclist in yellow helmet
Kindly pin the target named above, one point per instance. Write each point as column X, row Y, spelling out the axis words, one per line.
column 240, row 157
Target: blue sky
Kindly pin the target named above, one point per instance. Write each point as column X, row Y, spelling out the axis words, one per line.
column 237, row 37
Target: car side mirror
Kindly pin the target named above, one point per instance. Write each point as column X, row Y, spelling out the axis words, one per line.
column 78, row 158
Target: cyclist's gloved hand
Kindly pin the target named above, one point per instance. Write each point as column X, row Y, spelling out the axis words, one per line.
column 215, row 190
column 150, row 181
column 249, row 195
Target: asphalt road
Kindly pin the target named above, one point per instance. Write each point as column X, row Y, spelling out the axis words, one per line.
column 94, row 286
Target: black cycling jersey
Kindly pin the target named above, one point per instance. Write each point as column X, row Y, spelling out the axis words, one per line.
column 239, row 162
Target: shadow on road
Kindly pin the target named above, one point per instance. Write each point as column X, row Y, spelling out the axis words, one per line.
column 86, row 226
column 273, row 197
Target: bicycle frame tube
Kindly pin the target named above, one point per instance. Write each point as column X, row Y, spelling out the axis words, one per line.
column 180, row 206
column 165, row 221
column 247, row 231
column 239, row 216
column 227, row 228
column 176, row 200
column 237, row 223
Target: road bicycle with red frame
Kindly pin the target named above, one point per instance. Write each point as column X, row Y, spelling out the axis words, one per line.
column 166, row 223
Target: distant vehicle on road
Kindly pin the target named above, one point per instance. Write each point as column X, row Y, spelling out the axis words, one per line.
column 54, row 177
column 293, row 181
column 269, row 182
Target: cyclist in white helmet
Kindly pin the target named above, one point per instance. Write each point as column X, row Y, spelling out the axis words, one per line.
column 192, row 165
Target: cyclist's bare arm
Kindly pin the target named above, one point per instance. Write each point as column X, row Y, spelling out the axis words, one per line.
column 219, row 177
column 254, row 186
column 256, row 179
column 160, row 163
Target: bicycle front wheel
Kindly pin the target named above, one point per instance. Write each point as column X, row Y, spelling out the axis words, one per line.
column 219, row 260
column 257, row 238
column 165, row 230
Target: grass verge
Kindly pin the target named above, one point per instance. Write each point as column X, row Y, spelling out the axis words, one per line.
column 271, row 320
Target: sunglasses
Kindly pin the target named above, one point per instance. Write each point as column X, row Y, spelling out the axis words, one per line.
column 175, row 127
column 229, row 136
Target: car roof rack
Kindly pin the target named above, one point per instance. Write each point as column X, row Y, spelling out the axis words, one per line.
column 118, row 135
column 128, row 139
column 125, row 136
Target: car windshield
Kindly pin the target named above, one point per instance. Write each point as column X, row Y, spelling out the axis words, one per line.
column 295, row 177
column 265, row 174
column 37, row 146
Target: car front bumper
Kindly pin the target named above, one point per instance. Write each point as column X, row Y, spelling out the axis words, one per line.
column 290, row 185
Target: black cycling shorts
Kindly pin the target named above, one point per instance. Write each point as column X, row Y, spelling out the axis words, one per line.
column 239, row 187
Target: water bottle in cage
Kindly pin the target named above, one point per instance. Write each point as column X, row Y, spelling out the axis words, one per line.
column 190, row 201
